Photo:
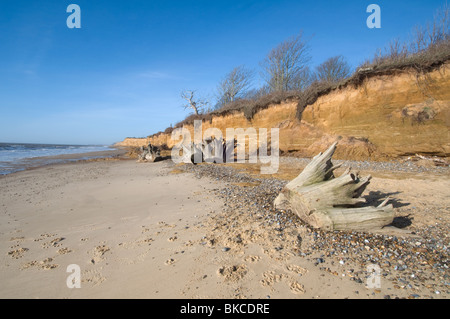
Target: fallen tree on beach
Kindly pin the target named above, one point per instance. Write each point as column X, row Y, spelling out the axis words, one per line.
column 332, row 203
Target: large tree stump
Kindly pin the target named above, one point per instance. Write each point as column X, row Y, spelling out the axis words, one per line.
column 150, row 153
column 211, row 150
column 333, row 203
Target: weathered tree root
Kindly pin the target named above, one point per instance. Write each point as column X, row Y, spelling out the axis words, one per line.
column 328, row 202
column 150, row 153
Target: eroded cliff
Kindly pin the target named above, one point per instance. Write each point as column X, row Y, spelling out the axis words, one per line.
column 385, row 116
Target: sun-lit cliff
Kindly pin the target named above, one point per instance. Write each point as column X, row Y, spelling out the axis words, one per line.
column 385, row 116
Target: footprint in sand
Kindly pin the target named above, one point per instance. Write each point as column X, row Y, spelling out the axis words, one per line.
column 17, row 253
column 64, row 251
column 44, row 236
column 270, row 278
column 145, row 241
column 53, row 243
column 296, row 269
column 170, row 261
column 232, row 273
column 29, row 264
column 173, row 238
column 93, row 277
column 252, row 259
column 49, row 266
column 296, row 288
column 188, row 243
column 98, row 253
column 56, row 242
column 43, row 264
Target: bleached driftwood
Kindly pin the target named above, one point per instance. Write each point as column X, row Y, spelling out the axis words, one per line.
column 328, row 202
column 210, row 151
column 150, row 153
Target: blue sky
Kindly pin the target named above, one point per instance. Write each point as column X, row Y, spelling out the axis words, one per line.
column 120, row 75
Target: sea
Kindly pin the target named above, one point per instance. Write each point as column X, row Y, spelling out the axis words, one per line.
column 16, row 157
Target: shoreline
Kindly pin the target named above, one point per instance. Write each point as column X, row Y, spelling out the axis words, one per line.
column 160, row 230
column 36, row 162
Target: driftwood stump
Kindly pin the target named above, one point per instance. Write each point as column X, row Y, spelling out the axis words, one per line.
column 211, row 151
column 333, row 203
column 150, row 153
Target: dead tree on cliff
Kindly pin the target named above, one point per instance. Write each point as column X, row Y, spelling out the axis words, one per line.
column 328, row 202
column 196, row 104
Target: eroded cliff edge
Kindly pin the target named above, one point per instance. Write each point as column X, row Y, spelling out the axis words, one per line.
column 384, row 116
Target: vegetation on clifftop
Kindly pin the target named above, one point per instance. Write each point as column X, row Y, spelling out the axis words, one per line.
column 427, row 50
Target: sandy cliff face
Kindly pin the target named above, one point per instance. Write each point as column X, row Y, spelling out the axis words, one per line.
column 400, row 115
column 385, row 116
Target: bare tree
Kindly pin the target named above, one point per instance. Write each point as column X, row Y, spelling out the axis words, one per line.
column 396, row 50
column 303, row 79
column 433, row 33
column 283, row 66
column 197, row 104
column 419, row 41
column 234, row 85
column 333, row 69
column 257, row 93
column 438, row 29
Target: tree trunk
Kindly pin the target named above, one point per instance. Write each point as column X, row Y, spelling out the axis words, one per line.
column 324, row 201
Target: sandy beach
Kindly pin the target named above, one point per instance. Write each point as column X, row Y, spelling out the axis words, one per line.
column 160, row 230
column 202, row 155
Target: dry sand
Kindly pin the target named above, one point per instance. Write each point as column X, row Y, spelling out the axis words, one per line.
column 143, row 230
column 127, row 225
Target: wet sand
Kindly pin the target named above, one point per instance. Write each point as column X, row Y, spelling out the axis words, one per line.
column 35, row 162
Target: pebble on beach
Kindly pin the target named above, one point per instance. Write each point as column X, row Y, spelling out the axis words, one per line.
column 424, row 261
